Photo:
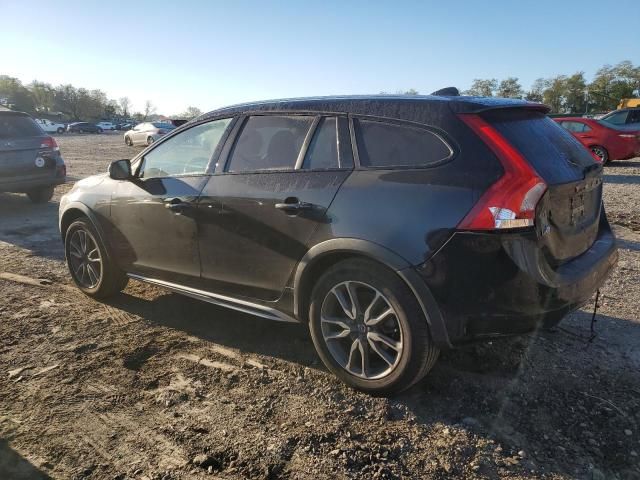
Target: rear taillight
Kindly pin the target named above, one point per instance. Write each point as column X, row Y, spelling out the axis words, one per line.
column 511, row 201
column 49, row 143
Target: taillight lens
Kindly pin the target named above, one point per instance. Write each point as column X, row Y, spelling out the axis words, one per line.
column 511, row 201
column 49, row 143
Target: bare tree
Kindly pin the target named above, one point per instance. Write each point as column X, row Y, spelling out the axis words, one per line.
column 125, row 105
column 149, row 109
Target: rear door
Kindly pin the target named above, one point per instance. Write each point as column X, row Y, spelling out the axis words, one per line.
column 22, row 155
column 264, row 203
column 569, row 213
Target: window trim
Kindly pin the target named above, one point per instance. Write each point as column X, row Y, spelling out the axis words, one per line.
column 444, row 138
column 138, row 160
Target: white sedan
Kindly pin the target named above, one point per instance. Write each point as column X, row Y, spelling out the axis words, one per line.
column 51, row 127
column 106, row 125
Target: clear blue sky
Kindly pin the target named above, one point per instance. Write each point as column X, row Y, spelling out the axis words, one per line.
column 210, row 54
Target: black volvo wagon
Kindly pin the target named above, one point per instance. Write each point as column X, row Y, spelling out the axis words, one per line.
column 395, row 226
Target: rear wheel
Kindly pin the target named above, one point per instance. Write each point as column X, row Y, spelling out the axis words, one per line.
column 40, row 195
column 368, row 328
column 99, row 130
column 601, row 152
column 128, row 141
column 88, row 262
column 60, row 130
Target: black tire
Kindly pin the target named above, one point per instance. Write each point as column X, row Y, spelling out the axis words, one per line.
column 601, row 152
column 111, row 279
column 40, row 195
column 128, row 141
column 418, row 353
column 99, row 130
column 150, row 140
column 60, row 130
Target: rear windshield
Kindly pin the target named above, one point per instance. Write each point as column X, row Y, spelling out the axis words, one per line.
column 18, row 126
column 553, row 152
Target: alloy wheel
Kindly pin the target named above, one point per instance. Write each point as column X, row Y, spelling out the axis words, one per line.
column 85, row 259
column 599, row 151
column 361, row 330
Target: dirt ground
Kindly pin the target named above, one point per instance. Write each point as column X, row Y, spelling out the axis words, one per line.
column 153, row 385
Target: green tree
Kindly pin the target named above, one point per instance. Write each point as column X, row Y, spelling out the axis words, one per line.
column 553, row 95
column 510, row 88
column 536, row 93
column 15, row 95
column 42, row 95
column 574, row 93
column 482, row 87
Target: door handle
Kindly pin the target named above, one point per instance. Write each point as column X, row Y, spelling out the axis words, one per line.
column 176, row 205
column 292, row 205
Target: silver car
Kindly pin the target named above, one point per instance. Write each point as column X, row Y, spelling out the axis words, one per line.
column 147, row 133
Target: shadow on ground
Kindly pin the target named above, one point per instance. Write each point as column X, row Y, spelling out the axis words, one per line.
column 14, row 467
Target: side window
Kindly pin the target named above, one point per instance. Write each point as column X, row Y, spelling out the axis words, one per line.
column 634, row 116
column 389, row 145
column 619, row 118
column 323, row 149
column 269, row 142
column 585, row 128
column 187, row 153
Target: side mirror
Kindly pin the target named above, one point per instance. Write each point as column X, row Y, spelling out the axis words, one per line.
column 120, row 170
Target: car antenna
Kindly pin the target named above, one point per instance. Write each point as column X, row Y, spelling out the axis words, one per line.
column 447, row 92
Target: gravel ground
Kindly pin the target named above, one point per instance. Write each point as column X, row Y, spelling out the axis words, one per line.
column 158, row 386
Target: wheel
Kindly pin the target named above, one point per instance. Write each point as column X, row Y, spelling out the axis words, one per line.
column 99, row 130
column 60, row 130
column 128, row 141
column 88, row 262
column 368, row 328
column 149, row 140
column 40, row 195
column 601, row 152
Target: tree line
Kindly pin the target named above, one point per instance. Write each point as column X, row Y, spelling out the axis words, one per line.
column 569, row 93
column 42, row 99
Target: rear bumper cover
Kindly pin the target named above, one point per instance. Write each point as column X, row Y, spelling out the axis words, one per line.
column 20, row 186
column 493, row 284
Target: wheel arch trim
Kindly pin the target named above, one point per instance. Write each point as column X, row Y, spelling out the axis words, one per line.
column 86, row 211
column 383, row 255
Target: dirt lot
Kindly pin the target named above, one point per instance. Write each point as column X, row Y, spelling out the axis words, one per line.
column 158, row 386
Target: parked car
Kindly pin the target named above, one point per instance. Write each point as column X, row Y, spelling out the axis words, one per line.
column 106, row 125
column 30, row 160
column 627, row 116
column 147, row 133
column 50, row 127
column 83, row 127
column 124, row 126
column 394, row 226
column 608, row 142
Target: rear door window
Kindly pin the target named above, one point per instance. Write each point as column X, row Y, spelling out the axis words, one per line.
column 553, row 152
column 323, row 149
column 576, row 127
column 382, row 144
column 18, row 126
column 269, row 142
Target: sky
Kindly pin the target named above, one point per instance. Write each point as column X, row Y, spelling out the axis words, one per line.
column 210, row 54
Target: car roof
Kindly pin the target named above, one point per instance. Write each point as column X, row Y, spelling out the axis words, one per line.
column 410, row 107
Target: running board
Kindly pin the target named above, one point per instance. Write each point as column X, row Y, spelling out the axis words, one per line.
column 221, row 300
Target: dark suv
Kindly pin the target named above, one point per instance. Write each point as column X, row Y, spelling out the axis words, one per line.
column 393, row 226
column 30, row 160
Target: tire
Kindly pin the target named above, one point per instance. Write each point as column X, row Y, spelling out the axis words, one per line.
column 107, row 279
column 150, row 140
column 413, row 353
column 40, row 195
column 60, row 130
column 601, row 152
column 128, row 141
column 99, row 130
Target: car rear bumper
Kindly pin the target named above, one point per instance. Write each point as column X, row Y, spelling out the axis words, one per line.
column 488, row 284
column 24, row 185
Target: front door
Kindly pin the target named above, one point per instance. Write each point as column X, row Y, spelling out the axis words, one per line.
column 154, row 230
column 259, row 211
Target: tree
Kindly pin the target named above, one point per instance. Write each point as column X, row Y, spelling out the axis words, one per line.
column 14, row 94
column 535, row 94
column 510, row 88
column 42, row 95
column 124, row 105
column 554, row 93
column 482, row 88
column 574, row 93
column 149, row 109
column 191, row 112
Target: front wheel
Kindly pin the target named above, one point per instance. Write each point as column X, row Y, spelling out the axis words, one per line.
column 128, row 141
column 60, row 130
column 601, row 152
column 368, row 328
column 149, row 140
column 89, row 263
column 40, row 195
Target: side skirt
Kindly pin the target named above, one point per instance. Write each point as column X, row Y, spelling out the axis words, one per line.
column 221, row 300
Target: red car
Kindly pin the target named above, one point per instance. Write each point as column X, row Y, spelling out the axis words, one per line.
column 606, row 141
